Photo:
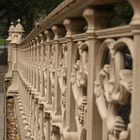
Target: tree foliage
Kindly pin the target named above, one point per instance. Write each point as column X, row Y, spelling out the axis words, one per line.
column 122, row 14
column 29, row 11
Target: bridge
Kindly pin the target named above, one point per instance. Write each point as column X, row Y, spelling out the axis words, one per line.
column 73, row 77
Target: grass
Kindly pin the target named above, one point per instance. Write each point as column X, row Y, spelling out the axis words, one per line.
column 3, row 42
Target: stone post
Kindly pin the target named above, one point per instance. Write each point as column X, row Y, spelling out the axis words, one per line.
column 135, row 111
column 18, row 32
column 8, row 76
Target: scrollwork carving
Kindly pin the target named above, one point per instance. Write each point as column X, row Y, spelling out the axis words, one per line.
column 45, row 69
column 62, row 75
column 52, row 72
column 113, row 89
column 79, row 80
column 82, row 110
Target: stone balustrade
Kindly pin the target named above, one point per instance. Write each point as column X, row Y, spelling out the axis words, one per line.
column 76, row 78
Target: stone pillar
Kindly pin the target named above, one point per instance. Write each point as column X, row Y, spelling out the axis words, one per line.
column 135, row 111
column 18, row 32
column 8, row 76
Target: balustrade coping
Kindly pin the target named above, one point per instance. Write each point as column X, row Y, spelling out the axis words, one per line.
column 103, row 33
column 114, row 32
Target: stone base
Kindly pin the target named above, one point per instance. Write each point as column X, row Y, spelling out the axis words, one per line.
column 23, row 132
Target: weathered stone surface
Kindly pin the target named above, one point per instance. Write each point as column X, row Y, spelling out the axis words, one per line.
column 12, row 125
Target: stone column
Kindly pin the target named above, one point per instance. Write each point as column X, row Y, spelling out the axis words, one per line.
column 18, row 32
column 8, row 75
column 135, row 111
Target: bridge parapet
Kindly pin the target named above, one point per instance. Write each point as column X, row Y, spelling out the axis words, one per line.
column 76, row 78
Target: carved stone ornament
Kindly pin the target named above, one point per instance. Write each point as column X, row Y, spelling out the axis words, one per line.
column 62, row 75
column 79, row 80
column 113, row 86
column 52, row 71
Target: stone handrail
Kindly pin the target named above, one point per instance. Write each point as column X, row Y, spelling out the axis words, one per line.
column 73, row 77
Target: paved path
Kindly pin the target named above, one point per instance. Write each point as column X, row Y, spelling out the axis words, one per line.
column 3, row 69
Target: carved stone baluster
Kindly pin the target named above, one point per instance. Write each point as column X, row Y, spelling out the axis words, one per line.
column 47, row 126
column 28, row 82
column 96, row 19
column 62, row 78
column 37, row 67
column 42, row 65
column 52, row 75
column 34, row 60
column 32, row 114
column 36, row 117
column 55, row 133
column 33, row 86
column 37, row 92
column 79, row 84
column 40, row 122
column 49, row 36
column 49, row 84
column 45, row 70
column 34, row 90
column 73, row 27
column 113, row 87
column 59, row 33
column 30, row 88
column 42, row 98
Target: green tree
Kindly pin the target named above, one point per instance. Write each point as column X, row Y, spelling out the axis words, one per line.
column 28, row 11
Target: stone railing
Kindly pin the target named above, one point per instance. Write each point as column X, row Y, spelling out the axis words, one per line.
column 76, row 79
